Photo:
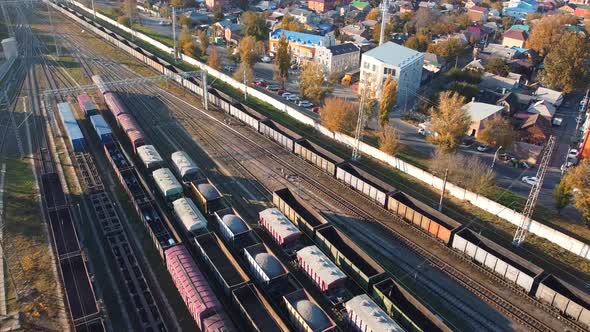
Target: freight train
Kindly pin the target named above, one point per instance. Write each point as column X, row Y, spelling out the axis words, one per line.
column 569, row 300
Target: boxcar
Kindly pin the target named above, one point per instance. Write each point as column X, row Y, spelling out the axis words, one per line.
column 256, row 311
column 320, row 157
column 70, row 125
column 234, row 229
column 352, row 259
column 184, row 166
column 500, row 260
column 306, row 314
column 150, row 157
column 298, row 211
column 265, row 267
column 224, row 267
column 284, row 136
column 408, row 311
column 169, row 187
column 364, row 182
column 568, row 299
column 422, row 216
column 209, row 198
column 189, row 216
column 320, row 269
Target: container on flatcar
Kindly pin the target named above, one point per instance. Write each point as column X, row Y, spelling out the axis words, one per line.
column 150, row 157
column 169, row 187
column 283, row 232
column 422, row 216
column 265, row 267
column 318, row 156
column 234, row 229
column 324, row 273
column 298, row 211
column 364, row 182
column 352, row 259
column 280, row 134
column 568, row 299
column 87, row 105
column 498, row 259
column 365, row 315
column 189, row 216
column 101, row 128
column 193, row 287
column 408, row 311
column 209, row 198
column 184, row 166
column 219, row 260
column 306, row 314
column 256, row 311
column 73, row 132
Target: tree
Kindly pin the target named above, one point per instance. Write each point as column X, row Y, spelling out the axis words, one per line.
column 387, row 33
column 578, row 180
column 130, row 9
column 124, row 20
column 244, row 73
column 563, row 195
column 191, row 49
column 311, row 81
column 566, row 65
column 283, row 60
column 448, row 49
column 254, row 24
column 548, row 32
column 339, row 115
column 374, row 14
column 247, row 50
column 497, row 132
column 389, row 140
column 450, row 120
column 507, row 22
column 468, row 172
column 181, row 3
column 290, row 23
column 185, row 36
column 425, row 18
column 388, row 100
column 418, row 42
column 203, row 40
column 184, row 21
column 497, row 66
column 467, row 90
column 214, row 60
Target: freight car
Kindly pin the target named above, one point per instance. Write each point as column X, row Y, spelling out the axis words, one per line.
column 364, row 182
column 70, row 125
column 322, row 271
column 318, row 156
column 150, row 157
column 283, row 232
column 266, row 268
column 87, row 105
column 365, row 315
column 101, row 128
column 306, row 314
column 406, row 309
column 184, row 166
column 234, row 229
column 422, row 216
column 224, row 267
column 569, row 300
column 298, row 211
column 256, row 311
column 169, row 187
column 202, row 304
column 209, row 198
column 276, row 132
column 189, row 216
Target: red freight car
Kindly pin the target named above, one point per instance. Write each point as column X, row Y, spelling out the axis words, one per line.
column 87, row 105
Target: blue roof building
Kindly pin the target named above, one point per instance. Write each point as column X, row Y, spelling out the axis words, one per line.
column 520, row 9
column 524, row 27
column 302, row 44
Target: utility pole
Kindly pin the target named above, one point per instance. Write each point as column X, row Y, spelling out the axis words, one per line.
column 442, row 194
column 205, row 94
column 495, row 157
column 174, row 33
column 531, row 202
column 93, row 10
column 245, row 86
column 356, row 153
column 383, row 9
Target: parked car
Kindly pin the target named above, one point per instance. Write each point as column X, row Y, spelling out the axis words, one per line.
column 164, row 23
column 272, row 87
column 260, row 83
column 316, row 109
column 422, row 131
column 507, row 157
column 483, row 148
column 532, row 180
column 466, row 142
column 229, row 68
column 567, row 165
column 572, row 153
column 286, row 95
column 305, row 103
column 293, row 97
column 557, row 121
column 265, row 59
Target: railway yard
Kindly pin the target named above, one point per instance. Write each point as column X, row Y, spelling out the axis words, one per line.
column 250, row 227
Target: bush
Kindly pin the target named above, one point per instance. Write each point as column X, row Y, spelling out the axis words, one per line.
column 469, row 91
column 124, row 20
column 456, row 74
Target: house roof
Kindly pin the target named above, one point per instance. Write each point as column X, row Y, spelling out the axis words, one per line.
column 491, row 81
column 359, row 4
column 523, row 27
column 515, row 34
column 478, row 9
column 480, row 111
column 542, row 107
column 298, row 37
column 552, row 96
column 393, row 54
column 433, row 59
column 344, row 48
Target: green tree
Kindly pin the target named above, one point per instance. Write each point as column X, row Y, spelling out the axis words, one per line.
column 339, row 115
column 388, row 100
column 244, row 73
column 566, row 66
column 448, row 49
column 254, row 24
column 578, row 180
column 191, row 49
column 450, row 120
column 389, row 140
column 214, row 60
column 467, row 90
column 311, row 81
column 418, row 42
column 497, row 132
column 563, row 195
column 283, row 60
column 497, row 66
column 203, row 40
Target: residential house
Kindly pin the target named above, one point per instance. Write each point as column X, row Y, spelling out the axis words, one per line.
column 582, row 11
column 338, row 58
column 472, row 3
column 534, row 129
column 197, row 18
column 433, row 64
column 524, row 27
column 543, row 108
column 552, row 96
column 520, row 9
column 305, row 16
column 514, row 37
column 216, row 3
column 475, row 33
column 480, row 114
column 232, row 33
column 399, row 62
column 568, row 8
column 360, row 5
column 321, row 6
column 478, row 14
column 497, row 51
column 427, row 4
column 494, row 82
column 357, row 33
column 302, row 45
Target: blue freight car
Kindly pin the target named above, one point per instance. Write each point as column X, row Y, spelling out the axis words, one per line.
column 101, row 128
column 70, row 124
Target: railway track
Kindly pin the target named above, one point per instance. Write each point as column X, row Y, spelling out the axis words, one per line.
column 368, row 213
